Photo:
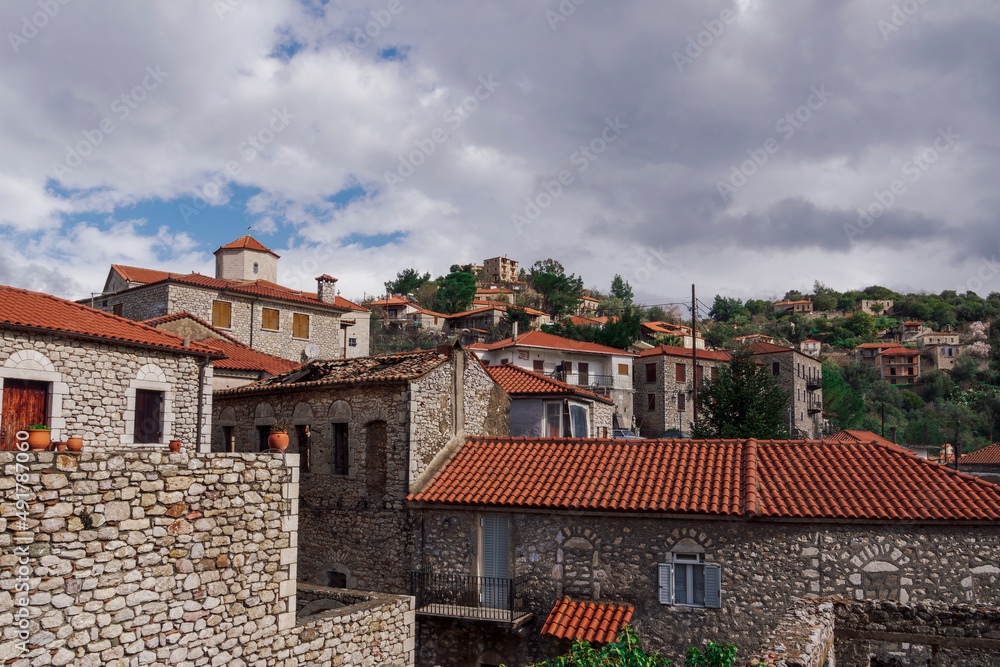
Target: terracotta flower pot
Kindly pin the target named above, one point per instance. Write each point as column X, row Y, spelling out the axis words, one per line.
column 60, row 446
column 39, row 439
column 278, row 440
column 75, row 444
column 175, row 445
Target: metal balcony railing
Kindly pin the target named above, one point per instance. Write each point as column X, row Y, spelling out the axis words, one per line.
column 467, row 597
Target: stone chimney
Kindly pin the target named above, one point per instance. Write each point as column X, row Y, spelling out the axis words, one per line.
column 326, row 289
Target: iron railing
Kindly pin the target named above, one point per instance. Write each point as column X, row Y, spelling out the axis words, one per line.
column 468, row 597
column 584, row 379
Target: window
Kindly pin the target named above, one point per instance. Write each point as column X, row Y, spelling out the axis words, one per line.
column 567, row 367
column 775, row 368
column 117, row 309
column 300, row 326
column 505, row 361
column 579, row 421
column 680, row 372
column 228, row 443
column 538, row 366
column 699, row 375
column 302, row 438
column 680, row 402
column 148, row 416
column 553, row 420
column 622, row 369
column 256, row 267
column 269, row 319
column 650, row 402
column 222, row 314
column 336, row 579
column 583, row 370
column 339, row 448
column 352, row 342
column 650, row 372
column 688, row 581
column 486, row 362
column 263, row 433
column 494, row 563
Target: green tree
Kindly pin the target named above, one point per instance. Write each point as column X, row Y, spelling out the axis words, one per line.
column 744, row 401
column 758, row 307
column 725, row 308
column 861, row 324
column 623, row 652
column 620, row 334
column 657, row 314
column 406, row 282
column 621, row 289
column 456, row 291
column 611, row 305
column 560, row 293
column 714, row 655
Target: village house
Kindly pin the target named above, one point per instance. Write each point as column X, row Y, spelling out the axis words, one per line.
column 690, row 541
column 427, row 319
column 809, row 347
column 983, row 463
column 543, row 406
column 937, row 338
column 754, row 338
column 600, row 369
column 899, row 365
column 651, row 332
column 86, row 373
column 908, row 331
column 500, row 269
column 868, row 353
column 940, row 357
column 365, row 430
column 664, row 388
column 396, row 308
column 242, row 364
column 802, row 306
column 495, row 294
column 588, row 306
column 876, row 307
column 802, row 377
column 245, row 301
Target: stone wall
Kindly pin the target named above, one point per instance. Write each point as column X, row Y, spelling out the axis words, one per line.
column 665, row 414
column 602, row 420
column 794, row 370
column 142, row 557
column 765, row 565
column 93, row 385
column 803, row 638
column 360, row 332
column 153, row 303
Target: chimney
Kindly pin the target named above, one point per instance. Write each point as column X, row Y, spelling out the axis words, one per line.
column 514, row 335
column 326, row 289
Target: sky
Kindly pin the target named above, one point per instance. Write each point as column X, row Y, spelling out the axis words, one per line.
column 745, row 146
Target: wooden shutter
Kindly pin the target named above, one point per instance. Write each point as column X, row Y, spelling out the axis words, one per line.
column 650, row 372
column 713, row 586
column 270, row 319
column 666, row 583
column 680, row 372
column 221, row 314
column 300, row 326
column 25, row 403
column 496, row 546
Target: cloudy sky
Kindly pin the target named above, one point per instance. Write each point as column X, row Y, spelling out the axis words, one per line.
column 748, row 146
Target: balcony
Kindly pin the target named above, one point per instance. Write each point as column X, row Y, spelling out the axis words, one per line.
column 468, row 598
column 814, row 382
column 815, row 408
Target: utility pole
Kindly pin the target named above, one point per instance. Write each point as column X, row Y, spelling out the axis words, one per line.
column 694, row 360
column 883, row 420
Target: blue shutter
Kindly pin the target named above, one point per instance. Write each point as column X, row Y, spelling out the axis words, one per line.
column 713, row 586
column 666, row 583
column 489, row 555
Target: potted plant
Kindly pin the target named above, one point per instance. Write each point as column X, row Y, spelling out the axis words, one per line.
column 39, row 437
column 279, row 438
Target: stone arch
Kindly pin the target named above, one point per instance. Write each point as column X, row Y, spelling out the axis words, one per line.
column 490, row 657
column 224, row 427
column 578, row 570
column 263, row 414
column 339, row 412
column 690, row 540
column 29, row 360
column 149, row 377
column 878, row 575
column 151, row 373
column 302, row 414
column 373, row 413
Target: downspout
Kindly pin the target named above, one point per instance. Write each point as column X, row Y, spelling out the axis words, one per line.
column 201, row 400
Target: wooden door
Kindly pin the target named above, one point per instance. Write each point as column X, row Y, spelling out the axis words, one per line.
column 24, row 403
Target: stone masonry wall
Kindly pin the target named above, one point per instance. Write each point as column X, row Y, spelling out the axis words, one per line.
column 143, row 557
column 665, row 415
column 153, row 302
column 765, row 565
column 93, row 387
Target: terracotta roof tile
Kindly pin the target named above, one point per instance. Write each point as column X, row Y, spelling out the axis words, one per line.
column 673, row 351
column 774, row 479
column 553, row 342
column 590, row 621
column 893, row 351
column 519, row 381
column 135, row 274
column 248, row 242
column 185, row 315
column 863, row 437
column 21, row 308
column 322, row 372
column 244, row 358
column 986, row 455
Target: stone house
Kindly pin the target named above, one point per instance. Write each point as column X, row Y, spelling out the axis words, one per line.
column 245, row 301
column 810, row 348
column 884, row 306
column 242, row 364
column 937, row 338
column 801, row 376
column 941, row 357
column 147, row 557
column 664, row 387
column 703, row 540
column 114, row 382
column 588, row 306
column 650, row 332
column 500, row 269
column 801, row 306
column 598, row 368
column 366, row 430
column 540, row 405
column 899, row 365
column 867, row 353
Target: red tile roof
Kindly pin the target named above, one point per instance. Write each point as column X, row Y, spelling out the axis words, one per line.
column 590, row 621
column 792, row 303
column 892, row 351
column 248, row 242
column 21, row 308
column 863, row 437
column 770, row 479
column 134, row 274
column 668, row 328
column 327, row 277
column 986, row 455
column 520, row 381
column 760, row 347
column 553, row 342
column 185, row 315
column 391, row 301
column 244, row 358
column 674, row 351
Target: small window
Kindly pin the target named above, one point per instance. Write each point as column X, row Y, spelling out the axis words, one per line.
column 505, row 361
column 222, row 314
column 775, row 368
column 650, row 402
column 680, row 372
column 689, row 582
column 256, row 267
column 300, row 326
column 538, row 366
column 228, row 442
column 269, row 319
column 622, row 369
column 117, row 309
column 553, row 420
column 579, row 420
column 263, row 433
column 148, row 416
column 681, row 402
column 340, row 449
column 650, row 372
column 352, row 342
column 305, row 453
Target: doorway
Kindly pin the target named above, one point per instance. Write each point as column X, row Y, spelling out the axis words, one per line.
column 25, row 403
